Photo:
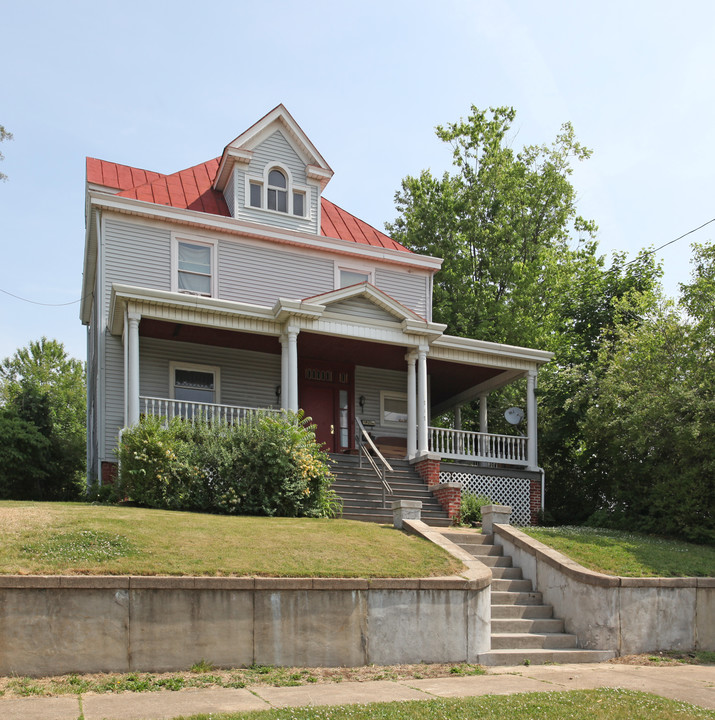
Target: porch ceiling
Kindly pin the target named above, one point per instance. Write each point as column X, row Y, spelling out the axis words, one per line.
column 447, row 379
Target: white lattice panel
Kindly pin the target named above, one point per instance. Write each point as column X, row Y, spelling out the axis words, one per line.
column 510, row 491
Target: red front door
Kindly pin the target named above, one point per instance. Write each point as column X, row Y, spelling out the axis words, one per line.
column 326, row 395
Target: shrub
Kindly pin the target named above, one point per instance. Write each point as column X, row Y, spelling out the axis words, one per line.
column 272, row 466
column 471, row 510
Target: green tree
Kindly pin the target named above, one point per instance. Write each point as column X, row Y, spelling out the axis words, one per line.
column 4, row 135
column 522, row 267
column 42, row 386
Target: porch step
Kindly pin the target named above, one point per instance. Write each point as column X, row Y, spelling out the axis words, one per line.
column 362, row 491
column 531, row 640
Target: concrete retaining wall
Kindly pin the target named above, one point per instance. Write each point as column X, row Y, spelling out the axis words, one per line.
column 626, row 615
column 62, row 624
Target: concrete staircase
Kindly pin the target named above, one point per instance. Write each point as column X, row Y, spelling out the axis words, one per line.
column 524, row 629
column 361, row 491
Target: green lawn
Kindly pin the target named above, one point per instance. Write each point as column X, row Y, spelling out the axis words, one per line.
column 78, row 538
column 628, row 554
column 605, row 704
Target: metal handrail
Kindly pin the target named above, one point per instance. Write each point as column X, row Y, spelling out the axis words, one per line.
column 381, row 472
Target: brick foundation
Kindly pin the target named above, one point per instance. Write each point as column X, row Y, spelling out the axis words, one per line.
column 450, row 498
column 109, row 473
column 535, row 500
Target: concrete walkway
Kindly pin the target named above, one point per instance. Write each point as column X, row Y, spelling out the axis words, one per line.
column 689, row 683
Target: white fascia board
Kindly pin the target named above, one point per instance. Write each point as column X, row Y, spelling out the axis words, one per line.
column 230, row 157
column 122, row 294
column 263, row 232
column 286, row 308
column 452, row 342
column 494, row 383
column 89, row 270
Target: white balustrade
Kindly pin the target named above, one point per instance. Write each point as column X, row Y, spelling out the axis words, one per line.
column 212, row 412
column 486, row 447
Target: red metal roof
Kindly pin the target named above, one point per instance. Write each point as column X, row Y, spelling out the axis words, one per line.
column 192, row 189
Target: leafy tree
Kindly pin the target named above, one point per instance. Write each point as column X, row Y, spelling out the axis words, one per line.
column 4, row 135
column 522, row 267
column 41, row 386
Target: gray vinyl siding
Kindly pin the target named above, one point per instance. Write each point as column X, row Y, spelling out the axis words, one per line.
column 276, row 149
column 369, row 382
column 136, row 254
column 113, row 393
column 229, row 194
column 362, row 308
column 247, row 378
column 410, row 289
column 260, row 275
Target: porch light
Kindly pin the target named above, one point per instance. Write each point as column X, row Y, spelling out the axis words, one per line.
column 278, row 393
column 361, row 400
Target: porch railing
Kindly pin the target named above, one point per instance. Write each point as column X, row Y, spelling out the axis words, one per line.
column 483, row 447
column 213, row 412
column 365, row 443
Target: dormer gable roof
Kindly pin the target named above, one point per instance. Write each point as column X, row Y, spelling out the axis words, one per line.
column 241, row 149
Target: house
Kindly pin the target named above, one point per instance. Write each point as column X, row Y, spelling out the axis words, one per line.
column 235, row 285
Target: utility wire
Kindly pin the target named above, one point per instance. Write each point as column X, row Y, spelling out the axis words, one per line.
column 35, row 302
column 670, row 242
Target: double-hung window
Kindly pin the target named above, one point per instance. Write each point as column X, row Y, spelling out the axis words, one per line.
column 393, row 408
column 194, row 383
column 194, row 267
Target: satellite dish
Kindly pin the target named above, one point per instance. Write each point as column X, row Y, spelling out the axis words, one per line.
column 514, row 415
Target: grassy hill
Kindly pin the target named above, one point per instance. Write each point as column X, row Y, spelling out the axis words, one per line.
column 77, row 538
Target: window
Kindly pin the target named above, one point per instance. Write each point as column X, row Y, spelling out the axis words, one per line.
column 193, row 266
column 194, row 269
column 194, row 383
column 278, row 193
column 346, row 276
column 393, row 408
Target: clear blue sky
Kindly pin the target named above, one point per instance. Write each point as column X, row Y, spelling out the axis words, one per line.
column 165, row 85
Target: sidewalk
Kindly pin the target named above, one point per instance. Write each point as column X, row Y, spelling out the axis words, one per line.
column 689, row 683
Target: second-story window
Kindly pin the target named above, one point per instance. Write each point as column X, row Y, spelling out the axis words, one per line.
column 277, row 191
column 194, row 268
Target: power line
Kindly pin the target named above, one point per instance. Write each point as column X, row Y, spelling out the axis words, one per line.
column 670, row 242
column 35, row 302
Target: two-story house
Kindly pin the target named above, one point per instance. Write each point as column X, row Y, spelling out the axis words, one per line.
column 235, row 285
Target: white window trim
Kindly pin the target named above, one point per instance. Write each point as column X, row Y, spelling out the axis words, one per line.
column 193, row 240
column 390, row 394
column 364, row 269
column 292, row 187
column 175, row 365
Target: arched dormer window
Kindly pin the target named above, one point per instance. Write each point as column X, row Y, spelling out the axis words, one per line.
column 278, row 193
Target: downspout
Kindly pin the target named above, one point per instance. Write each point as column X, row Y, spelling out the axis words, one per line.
column 99, row 323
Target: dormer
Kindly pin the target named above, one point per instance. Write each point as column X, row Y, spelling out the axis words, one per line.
column 272, row 174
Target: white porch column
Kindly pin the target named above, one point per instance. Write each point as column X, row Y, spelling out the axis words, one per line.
column 531, row 420
column 483, row 417
column 285, row 382
column 422, row 412
column 458, row 417
column 292, row 338
column 132, row 374
column 411, row 357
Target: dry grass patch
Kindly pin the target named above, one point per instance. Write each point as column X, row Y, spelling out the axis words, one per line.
column 77, row 538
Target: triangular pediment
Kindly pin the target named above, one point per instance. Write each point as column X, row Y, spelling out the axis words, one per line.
column 365, row 300
column 241, row 149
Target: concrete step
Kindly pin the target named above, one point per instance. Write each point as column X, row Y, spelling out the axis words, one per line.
column 506, row 573
column 509, row 585
column 480, row 551
column 527, row 625
column 387, row 520
column 539, row 657
column 532, row 612
column 531, row 641
column 469, row 538
column 495, row 561
column 516, row 598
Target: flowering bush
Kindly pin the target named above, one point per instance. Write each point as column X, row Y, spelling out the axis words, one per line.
column 272, row 466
